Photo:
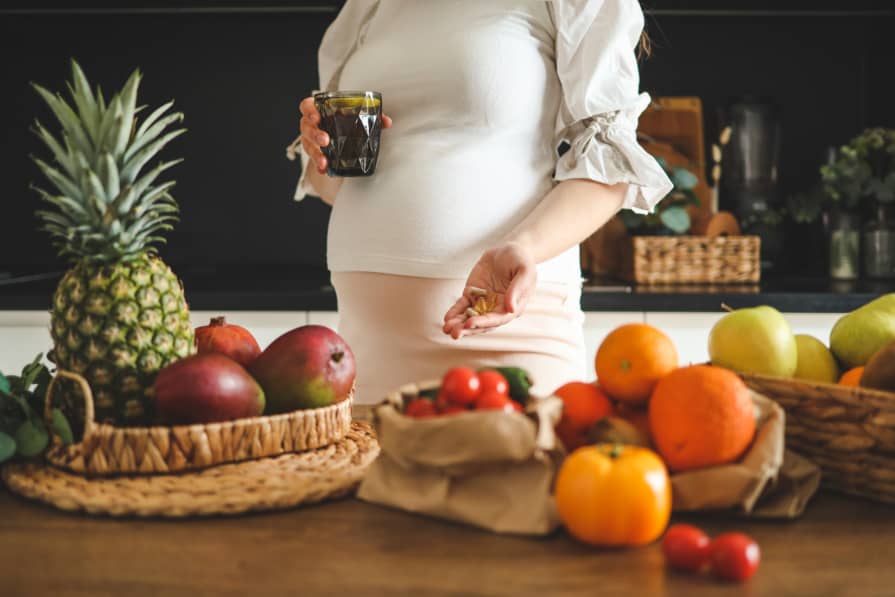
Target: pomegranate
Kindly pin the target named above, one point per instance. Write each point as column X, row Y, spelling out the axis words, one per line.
column 229, row 339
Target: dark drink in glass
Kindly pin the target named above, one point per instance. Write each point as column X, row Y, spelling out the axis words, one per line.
column 353, row 121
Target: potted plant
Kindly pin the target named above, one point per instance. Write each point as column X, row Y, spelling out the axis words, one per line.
column 670, row 216
column 859, row 184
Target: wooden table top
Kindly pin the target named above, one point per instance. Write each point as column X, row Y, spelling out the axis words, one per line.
column 841, row 546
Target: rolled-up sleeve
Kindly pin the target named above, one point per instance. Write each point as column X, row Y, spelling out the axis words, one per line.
column 597, row 68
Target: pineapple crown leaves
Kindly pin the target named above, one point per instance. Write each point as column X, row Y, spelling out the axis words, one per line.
column 104, row 208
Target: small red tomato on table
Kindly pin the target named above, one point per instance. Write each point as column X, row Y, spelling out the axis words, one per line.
column 734, row 556
column 686, row 547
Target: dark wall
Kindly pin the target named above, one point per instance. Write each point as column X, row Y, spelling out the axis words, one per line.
column 238, row 71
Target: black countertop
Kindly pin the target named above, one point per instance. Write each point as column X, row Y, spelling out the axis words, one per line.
column 301, row 288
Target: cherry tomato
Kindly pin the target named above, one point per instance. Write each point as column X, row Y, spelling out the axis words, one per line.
column 493, row 381
column 460, row 385
column 420, row 408
column 686, row 547
column 452, row 409
column 494, row 401
column 734, row 556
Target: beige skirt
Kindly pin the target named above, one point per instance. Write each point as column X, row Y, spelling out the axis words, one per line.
column 393, row 325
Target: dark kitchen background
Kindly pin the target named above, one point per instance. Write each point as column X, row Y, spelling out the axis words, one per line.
column 239, row 69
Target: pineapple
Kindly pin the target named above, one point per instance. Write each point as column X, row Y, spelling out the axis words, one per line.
column 119, row 314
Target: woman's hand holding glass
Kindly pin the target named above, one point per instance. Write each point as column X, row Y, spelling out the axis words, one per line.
column 313, row 138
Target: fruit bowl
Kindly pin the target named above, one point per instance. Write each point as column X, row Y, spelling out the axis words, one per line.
column 107, row 449
column 849, row 432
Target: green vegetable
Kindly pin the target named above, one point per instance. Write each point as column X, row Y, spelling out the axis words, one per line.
column 62, row 428
column 22, row 430
column 7, row 447
column 31, row 438
column 430, row 394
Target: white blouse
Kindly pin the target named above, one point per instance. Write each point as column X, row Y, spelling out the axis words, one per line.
column 482, row 94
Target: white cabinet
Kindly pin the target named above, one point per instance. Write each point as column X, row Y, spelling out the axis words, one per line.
column 815, row 324
column 688, row 331
column 23, row 335
column 328, row 318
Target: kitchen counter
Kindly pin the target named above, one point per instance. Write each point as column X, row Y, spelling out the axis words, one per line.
column 840, row 546
column 296, row 288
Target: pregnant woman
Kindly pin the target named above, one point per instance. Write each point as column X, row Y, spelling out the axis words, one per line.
column 471, row 190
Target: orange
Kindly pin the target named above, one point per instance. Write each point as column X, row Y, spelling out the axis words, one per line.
column 852, row 377
column 583, row 405
column 701, row 416
column 632, row 359
column 613, row 495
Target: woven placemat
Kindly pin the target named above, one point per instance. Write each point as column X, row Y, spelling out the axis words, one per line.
column 266, row 484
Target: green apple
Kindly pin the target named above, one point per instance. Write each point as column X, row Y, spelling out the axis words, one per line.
column 754, row 340
column 856, row 336
column 815, row 362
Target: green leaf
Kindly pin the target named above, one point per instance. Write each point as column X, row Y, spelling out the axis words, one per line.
column 631, row 219
column 684, row 179
column 31, row 437
column 151, row 134
column 31, row 371
column 23, row 405
column 7, row 447
column 86, row 103
column 62, row 428
column 676, row 219
column 131, row 169
column 154, row 116
column 692, row 198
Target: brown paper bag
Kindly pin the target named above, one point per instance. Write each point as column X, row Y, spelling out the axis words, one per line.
column 767, row 481
column 492, row 470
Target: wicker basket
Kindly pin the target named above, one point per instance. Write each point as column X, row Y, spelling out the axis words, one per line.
column 849, row 432
column 696, row 259
column 106, row 449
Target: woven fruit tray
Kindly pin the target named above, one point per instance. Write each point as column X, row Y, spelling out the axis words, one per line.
column 849, row 432
column 107, row 450
column 286, row 481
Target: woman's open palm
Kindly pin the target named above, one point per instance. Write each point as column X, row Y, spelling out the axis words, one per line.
column 508, row 275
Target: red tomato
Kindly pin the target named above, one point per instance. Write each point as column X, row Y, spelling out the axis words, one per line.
column 493, row 381
column 734, row 556
column 453, row 408
column 460, row 385
column 420, row 408
column 686, row 547
column 494, row 401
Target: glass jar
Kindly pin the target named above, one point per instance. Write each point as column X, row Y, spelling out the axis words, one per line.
column 844, row 245
column 879, row 244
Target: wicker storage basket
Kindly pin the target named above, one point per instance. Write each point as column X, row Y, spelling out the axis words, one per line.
column 696, row 259
column 849, row 432
column 106, row 449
